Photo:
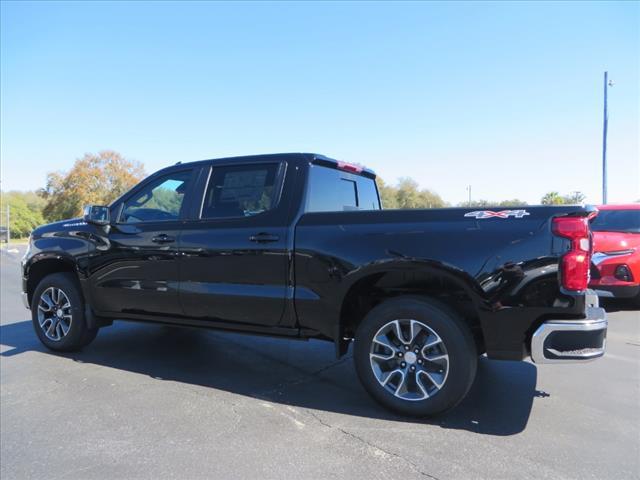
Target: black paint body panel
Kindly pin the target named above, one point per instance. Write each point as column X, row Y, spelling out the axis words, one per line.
column 213, row 274
column 507, row 267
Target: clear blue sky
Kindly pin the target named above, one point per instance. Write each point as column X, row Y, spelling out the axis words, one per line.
column 504, row 96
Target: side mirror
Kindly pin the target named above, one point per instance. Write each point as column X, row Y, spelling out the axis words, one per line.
column 97, row 214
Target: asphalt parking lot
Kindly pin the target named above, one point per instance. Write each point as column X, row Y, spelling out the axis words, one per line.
column 147, row 401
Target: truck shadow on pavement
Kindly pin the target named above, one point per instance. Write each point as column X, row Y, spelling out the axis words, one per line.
column 296, row 373
column 619, row 305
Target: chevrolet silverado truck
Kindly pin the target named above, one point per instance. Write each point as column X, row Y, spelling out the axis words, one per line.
column 298, row 246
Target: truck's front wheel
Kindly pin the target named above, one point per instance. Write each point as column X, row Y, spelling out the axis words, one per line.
column 415, row 356
column 57, row 310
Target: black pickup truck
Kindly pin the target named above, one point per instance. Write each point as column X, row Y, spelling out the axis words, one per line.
column 297, row 245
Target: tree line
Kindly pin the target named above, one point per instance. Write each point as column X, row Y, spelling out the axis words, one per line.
column 101, row 178
column 94, row 179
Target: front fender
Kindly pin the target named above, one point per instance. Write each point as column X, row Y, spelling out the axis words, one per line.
column 54, row 248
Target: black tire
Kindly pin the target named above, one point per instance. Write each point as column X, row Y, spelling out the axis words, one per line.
column 455, row 337
column 78, row 335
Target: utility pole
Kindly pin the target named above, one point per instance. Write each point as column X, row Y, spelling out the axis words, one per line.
column 605, row 125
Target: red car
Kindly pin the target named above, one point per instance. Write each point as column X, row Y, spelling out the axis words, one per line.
column 616, row 247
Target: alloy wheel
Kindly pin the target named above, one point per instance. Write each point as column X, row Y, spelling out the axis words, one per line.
column 54, row 313
column 409, row 359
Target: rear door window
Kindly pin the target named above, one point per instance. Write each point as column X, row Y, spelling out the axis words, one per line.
column 241, row 191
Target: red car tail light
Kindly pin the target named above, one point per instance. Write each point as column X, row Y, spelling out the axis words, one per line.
column 574, row 265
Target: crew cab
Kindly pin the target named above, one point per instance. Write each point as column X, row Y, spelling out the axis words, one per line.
column 298, row 246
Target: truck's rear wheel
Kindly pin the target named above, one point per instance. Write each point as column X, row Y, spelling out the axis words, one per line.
column 57, row 311
column 415, row 356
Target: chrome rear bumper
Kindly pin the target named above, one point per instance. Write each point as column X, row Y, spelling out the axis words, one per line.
column 564, row 341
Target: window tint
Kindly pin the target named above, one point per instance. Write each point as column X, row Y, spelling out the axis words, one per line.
column 367, row 194
column 332, row 190
column 240, row 191
column 345, row 194
column 617, row 221
column 160, row 200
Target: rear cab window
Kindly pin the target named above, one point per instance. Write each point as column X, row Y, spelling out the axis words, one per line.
column 333, row 190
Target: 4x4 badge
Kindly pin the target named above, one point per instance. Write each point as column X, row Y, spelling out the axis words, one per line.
column 482, row 214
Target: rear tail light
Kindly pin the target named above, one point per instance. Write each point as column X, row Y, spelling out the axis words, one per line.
column 574, row 265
